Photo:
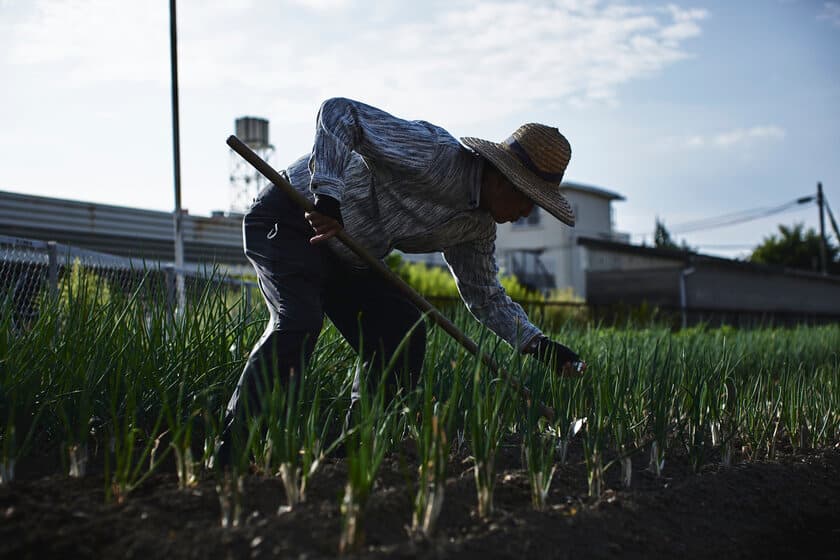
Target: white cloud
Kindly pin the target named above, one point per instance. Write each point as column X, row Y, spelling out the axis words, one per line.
column 93, row 41
column 831, row 13
column 746, row 135
column 457, row 60
column 322, row 5
column 738, row 137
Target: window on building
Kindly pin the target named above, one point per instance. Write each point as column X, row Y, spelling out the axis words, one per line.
column 533, row 219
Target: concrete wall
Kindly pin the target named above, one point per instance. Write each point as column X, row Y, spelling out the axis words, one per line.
column 633, row 287
column 632, row 274
column 712, row 286
column 602, row 260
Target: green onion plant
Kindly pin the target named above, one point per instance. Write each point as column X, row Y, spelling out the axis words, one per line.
column 661, row 390
column 598, row 399
column 130, row 442
column 432, row 434
column 538, row 445
column 297, row 426
column 487, row 419
column 376, row 422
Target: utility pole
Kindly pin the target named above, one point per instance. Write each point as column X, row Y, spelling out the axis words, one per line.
column 821, row 204
column 176, row 149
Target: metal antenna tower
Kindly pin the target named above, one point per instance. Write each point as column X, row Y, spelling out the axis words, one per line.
column 245, row 181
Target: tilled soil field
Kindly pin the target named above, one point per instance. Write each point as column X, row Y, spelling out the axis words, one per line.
column 787, row 508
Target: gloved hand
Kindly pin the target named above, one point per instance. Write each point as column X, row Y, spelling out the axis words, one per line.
column 565, row 362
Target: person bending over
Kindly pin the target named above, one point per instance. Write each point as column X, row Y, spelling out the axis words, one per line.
column 392, row 184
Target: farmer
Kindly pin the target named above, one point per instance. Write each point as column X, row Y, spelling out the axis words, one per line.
column 393, row 184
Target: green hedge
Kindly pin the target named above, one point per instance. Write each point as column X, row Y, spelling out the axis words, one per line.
column 435, row 282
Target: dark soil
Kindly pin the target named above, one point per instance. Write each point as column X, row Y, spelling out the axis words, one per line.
column 788, row 508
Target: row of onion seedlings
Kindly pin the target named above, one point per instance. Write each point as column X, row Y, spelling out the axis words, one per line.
column 112, row 374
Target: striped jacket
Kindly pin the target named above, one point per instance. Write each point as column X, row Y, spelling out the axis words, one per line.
column 410, row 185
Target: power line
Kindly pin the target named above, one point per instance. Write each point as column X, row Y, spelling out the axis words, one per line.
column 734, row 218
column 738, row 217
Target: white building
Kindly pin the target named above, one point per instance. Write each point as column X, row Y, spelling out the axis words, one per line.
column 543, row 252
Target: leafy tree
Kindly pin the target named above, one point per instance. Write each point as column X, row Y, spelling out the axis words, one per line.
column 662, row 238
column 796, row 248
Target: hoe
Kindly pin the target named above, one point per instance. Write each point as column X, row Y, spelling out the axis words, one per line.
column 269, row 173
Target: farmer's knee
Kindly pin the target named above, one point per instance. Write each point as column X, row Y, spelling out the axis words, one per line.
column 409, row 364
column 417, row 347
column 281, row 349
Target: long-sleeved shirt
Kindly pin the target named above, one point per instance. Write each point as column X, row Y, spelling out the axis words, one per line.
column 410, row 185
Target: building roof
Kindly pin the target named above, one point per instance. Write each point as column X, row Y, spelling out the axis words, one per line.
column 120, row 230
column 589, row 189
column 690, row 258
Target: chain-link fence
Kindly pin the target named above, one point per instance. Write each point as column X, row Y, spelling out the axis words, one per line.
column 31, row 271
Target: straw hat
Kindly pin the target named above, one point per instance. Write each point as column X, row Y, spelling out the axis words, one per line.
column 534, row 159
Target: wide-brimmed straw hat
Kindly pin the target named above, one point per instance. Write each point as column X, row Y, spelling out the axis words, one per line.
column 534, row 159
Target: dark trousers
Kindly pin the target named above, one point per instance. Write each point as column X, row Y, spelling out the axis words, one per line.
column 301, row 282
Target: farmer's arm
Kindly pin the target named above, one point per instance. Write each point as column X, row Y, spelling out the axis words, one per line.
column 476, row 274
column 345, row 126
column 474, row 266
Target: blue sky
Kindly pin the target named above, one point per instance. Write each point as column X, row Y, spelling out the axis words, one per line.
column 690, row 109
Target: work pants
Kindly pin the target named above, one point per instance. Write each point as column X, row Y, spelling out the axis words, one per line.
column 301, row 282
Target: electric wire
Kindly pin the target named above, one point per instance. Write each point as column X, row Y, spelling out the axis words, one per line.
column 734, row 218
column 737, row 217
